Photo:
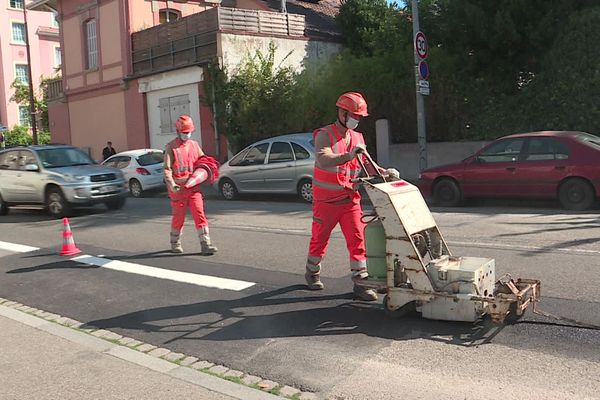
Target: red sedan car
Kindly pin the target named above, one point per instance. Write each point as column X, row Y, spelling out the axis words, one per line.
column 549, row 164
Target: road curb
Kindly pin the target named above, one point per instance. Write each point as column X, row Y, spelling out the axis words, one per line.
column 115, row 345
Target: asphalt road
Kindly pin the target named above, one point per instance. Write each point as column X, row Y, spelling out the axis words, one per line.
column 322, row 341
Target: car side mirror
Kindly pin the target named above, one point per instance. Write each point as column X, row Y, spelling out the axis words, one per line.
column 32, row 167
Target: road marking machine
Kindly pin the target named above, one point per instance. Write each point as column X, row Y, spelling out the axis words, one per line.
column 409, row 260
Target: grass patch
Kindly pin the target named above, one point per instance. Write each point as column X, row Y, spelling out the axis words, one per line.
column 276, row 390
column 234, row 379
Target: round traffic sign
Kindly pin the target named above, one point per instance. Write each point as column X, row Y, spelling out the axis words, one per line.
column 421, row 45
column 423, row 69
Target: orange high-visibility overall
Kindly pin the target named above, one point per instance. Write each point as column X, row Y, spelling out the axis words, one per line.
column 336, row 200
column 186, row 155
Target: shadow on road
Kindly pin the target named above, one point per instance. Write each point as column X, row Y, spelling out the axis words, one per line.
column 255, row 317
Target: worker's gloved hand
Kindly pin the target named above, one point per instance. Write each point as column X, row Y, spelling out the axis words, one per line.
column 359, row 148
column 392, row 173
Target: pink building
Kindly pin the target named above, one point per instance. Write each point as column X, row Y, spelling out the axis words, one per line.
column 131, row 67
column 45, row 55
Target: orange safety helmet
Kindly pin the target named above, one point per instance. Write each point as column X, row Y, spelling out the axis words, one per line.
column 184, row 124
column 353, row 102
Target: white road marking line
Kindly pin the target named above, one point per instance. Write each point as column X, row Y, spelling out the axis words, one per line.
column 17, row 248
column 178, row 276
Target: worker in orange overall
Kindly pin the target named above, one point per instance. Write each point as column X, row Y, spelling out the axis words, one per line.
column 336, row 199
column 185, row 167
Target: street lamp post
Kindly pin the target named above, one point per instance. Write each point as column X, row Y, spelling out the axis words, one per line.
column 31, row 96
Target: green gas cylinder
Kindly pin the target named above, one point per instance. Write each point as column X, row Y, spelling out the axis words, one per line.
column 376, row 253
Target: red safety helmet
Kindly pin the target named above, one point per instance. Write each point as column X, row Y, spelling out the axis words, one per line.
column 184, row 124
column 353, row 102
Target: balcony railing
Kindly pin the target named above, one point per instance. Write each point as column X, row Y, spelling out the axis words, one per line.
column 53, row 90
column 193, row 39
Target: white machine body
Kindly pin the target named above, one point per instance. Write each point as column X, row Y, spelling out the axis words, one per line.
column 422, row 271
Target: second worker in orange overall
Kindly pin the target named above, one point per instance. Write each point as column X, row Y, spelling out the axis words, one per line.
column 335, row 198
column 182, row 157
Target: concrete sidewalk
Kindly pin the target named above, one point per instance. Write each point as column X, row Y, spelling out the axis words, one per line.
column 43, row 360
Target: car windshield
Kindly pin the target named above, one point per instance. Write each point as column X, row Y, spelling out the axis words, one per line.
column 63, row 157
column 151, row 158
column 589, row 139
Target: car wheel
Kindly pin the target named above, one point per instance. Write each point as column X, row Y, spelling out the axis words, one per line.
column 305, row 190
column 135, row 188
column 3, row 207
column 115, row 204
column 576, row 194
column 56, row 204
column 227, row 189
column 446, row 193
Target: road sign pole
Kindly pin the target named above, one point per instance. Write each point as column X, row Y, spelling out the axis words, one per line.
column 421, row 128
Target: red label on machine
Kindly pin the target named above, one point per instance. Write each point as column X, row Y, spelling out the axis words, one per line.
column 399, row 184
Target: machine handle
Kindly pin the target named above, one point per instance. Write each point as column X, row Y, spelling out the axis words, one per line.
column 362, row 166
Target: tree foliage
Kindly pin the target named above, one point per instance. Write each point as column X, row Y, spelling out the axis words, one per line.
column 496, row 68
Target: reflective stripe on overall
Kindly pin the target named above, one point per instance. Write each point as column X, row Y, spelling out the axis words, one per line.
column 336, row 200
column 185, row 155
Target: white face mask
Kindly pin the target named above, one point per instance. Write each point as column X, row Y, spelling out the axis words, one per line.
column 184, row 136
column 351, row 123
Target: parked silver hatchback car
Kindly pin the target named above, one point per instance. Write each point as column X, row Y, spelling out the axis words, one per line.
column 281, row 164
column 58, row 176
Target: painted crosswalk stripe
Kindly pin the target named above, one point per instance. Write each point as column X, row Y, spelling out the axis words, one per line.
column 16, row 248
column 178, row 276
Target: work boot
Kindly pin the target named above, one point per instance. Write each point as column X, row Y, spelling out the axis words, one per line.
column 176, row 242
column 207, row 249
column 313, row 281
column 363, row 293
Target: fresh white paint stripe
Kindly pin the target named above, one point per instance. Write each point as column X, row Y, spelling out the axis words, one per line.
column 178, row 276
column 16, row 248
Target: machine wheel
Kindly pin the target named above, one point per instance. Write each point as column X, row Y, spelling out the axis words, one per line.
column 114, row 205
column 305, row 190
column 135, row 188
column 3, row 207
column 406, row 309
column 56, row 204
column 446, row 193
column 227, row 189
column 576, row 194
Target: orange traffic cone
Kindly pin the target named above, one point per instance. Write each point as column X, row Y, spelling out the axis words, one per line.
column 68, row 247
column 199, row 176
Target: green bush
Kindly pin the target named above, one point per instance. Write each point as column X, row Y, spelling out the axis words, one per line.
column 20, row 136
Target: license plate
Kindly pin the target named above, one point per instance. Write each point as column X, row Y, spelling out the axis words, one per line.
column 106, row 189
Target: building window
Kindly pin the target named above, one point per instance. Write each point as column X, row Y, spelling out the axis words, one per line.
column 57, row 57
column 91, row 44
column 21, row 74
column 168, row 15
column 170, row 109
column 18, row 32
column 55, row 20
column 17, row 4
column 24, row 115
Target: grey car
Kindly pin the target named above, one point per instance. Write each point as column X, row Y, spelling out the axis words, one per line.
column 281, row 164
column 59, row 177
